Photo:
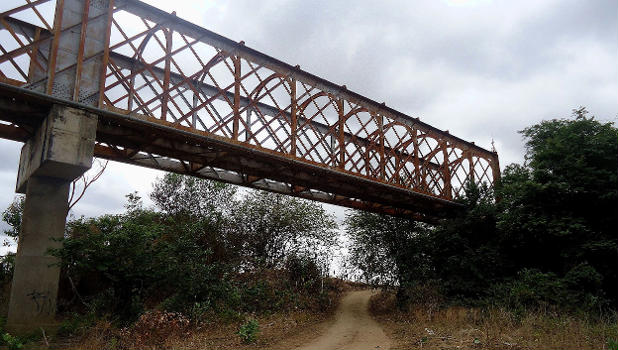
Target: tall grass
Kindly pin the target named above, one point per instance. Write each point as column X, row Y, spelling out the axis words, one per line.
column 455, row 327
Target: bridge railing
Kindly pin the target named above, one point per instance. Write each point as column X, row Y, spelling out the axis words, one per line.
column 131, row 58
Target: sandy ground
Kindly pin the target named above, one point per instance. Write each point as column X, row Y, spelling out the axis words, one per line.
column 352, row 328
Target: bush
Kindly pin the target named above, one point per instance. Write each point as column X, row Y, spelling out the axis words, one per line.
column 533, row 289
column 7, row 264
column 426, row 295
column 12, row 343
column 190, row 260
column 304, row 272
column 76, row 323
column 248, row 332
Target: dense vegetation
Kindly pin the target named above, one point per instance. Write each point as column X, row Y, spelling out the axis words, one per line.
column 549, row 240
column 544, row 237
column 204, row 252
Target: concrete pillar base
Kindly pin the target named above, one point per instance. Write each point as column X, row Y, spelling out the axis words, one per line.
column 60, row 151
column 35, row 279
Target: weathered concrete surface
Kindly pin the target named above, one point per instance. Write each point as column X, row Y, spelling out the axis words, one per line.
column 62, row 147
column 60, row 151
column 35, row 279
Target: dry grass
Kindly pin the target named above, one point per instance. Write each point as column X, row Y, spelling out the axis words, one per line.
column 214, row 335
column 430, row 327
column 160, row 330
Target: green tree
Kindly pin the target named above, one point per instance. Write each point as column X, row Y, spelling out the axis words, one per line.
column 553, row 227
column 389, row 251
column 176, row 194
column 208, row 205
column 558, row 211
column 12, row 216
column 466, row 249
column 118, row 262
column 273, row 227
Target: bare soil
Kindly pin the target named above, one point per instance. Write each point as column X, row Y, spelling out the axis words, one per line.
column 352, row 328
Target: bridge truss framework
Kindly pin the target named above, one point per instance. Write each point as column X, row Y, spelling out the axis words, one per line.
column 174, row 96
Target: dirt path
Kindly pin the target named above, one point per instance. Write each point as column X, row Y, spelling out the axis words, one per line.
column 352, row 328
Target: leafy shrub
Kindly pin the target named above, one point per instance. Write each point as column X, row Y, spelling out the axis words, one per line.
column 248, row 332
column 7, row 264
column 304, row 272
column 76, row 323
column 533, row 289
column 192, row 256
column 12, row 342
column 427, row 295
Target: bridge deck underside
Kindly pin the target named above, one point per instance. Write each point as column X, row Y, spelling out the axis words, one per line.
column 152, row 144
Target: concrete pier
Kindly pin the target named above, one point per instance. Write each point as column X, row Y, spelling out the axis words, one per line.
column 60, row 151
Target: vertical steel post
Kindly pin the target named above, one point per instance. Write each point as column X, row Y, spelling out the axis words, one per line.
column 416, row 160
column 51, row 68
column 80, row 50
column 470, row 166
column 293, row 121
column 248, row 128
column 341, row 138
column 382, row 156
column 446, row 171
column 165, row 95
column 105, row 59
column 495, row 169
column 237, row 76
column 194, row 114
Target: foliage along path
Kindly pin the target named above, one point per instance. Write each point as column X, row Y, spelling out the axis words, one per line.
column 353, row 328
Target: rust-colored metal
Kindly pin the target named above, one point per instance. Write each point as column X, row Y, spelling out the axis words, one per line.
column 293, row 118
column 166, row 79
column 341, row 135
column 33, row 57
column 80, row 53
column 202, row 84
column 51, row 68
column 237, row 80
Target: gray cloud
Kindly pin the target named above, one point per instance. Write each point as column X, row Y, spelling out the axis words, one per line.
column 481, row 69
column 9, row 155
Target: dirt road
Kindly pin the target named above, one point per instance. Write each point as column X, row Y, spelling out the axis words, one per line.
column 353, row 327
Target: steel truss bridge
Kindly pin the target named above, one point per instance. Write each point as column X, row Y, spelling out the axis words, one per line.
column 174, row 96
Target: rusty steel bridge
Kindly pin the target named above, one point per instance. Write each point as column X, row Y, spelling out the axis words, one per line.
column 171, row 95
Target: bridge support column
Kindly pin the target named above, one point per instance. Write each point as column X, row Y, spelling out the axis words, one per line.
column 60, row 151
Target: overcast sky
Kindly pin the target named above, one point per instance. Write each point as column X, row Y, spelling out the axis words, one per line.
column 481, row 69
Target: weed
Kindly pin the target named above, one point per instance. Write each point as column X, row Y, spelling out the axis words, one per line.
column 248, row 332
column 12, row 342
column 76, row 323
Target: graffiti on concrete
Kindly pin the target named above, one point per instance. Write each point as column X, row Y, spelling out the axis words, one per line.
column 42, row 301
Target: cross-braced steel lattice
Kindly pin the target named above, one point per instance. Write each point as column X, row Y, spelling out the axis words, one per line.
column 172, row 95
